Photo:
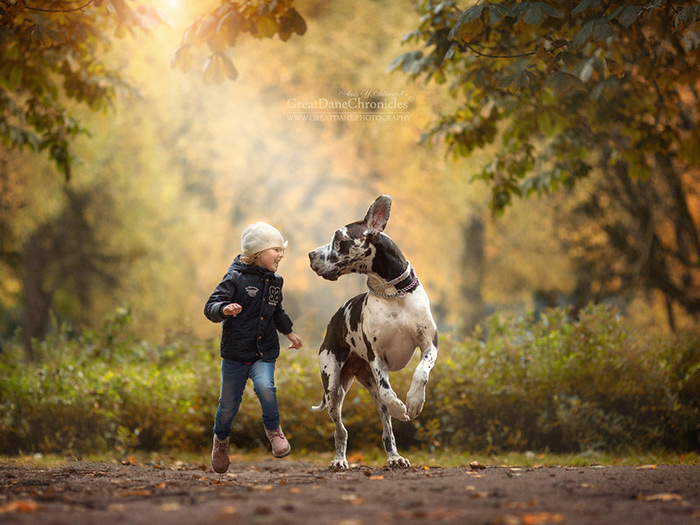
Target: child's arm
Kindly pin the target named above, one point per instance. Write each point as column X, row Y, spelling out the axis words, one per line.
column 219, row 300
column 295, row 340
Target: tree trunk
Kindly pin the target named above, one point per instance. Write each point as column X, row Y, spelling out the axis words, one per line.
column 473, row 273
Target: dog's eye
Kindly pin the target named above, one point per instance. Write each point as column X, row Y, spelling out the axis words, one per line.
column 344, row 247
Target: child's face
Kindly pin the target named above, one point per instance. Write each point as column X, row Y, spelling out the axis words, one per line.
column 270, row 258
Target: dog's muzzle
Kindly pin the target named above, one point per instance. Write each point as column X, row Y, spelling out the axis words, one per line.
column 320, row 265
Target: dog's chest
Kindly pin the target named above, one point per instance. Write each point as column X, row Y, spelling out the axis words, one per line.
column 390, row 328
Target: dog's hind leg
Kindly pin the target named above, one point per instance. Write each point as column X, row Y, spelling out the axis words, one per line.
column 339, row 381
column 366, row 378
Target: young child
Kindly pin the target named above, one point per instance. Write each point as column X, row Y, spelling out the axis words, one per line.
column 249, row 302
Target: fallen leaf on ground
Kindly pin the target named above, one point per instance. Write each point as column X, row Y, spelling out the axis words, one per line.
column 21, row 506
column 475, row 465
column 665, row 496
column 127, row 493
column 542, row 517
column 646, row 467
column 353, row 499
column 521, row 504
column 226, row 513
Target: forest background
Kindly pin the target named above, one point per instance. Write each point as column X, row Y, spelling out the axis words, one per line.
column 106, row 266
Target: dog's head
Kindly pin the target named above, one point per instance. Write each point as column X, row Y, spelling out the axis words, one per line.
column 354, row 246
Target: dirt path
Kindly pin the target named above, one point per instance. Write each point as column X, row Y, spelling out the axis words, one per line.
column 290, row 491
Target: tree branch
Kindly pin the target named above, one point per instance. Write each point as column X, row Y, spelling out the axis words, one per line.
column 498, row 56
column 59, row 10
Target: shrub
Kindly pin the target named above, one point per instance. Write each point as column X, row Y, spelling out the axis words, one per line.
column 566, row 386
column 551, row 384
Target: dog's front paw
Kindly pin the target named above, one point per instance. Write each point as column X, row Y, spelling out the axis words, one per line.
column 398, row 411
column 414, row 402
column 398, row 462
column 414, row 407
column 338, row 464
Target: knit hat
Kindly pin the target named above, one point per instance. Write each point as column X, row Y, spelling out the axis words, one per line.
column 260, row 236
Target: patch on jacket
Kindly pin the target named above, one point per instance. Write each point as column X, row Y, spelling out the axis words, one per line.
column 252, row 290
column 275, row 294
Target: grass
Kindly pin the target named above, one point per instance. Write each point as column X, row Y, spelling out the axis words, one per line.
column 375, row 458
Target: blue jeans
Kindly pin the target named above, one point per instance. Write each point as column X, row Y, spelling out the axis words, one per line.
column 234, row 376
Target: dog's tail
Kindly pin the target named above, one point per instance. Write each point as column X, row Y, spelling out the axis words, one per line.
column 321, row 406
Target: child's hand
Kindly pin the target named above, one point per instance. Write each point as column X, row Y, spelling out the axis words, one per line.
column 232, row 309
column 295, row 341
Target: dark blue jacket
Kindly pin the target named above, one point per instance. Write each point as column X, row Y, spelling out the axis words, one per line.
column 252, row 334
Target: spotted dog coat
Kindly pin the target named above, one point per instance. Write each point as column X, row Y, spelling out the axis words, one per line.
column 376, row 332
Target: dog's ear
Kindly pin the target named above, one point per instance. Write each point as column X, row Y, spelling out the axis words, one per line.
column 378, row 214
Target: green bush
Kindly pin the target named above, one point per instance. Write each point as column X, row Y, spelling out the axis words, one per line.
column 551, row 384
column 566, row 386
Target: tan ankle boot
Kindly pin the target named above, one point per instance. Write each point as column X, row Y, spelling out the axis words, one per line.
column 280, row 445
column 219, row 455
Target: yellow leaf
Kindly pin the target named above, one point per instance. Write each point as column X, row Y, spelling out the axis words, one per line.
column 266, row 27
column 182, row 58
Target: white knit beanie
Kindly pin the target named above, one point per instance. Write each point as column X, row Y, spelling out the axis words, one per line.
column 260, row 236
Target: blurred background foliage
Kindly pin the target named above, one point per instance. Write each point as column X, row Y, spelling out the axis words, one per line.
column 550, row 384
column 121, row 207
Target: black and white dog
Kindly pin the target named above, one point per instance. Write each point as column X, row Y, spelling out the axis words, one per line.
column 376, row 332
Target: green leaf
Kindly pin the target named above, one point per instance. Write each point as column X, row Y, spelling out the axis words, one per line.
column 40, row 35
column 603, row 30
column 505, row 81
column 522, row 79
column 534, row 13
column 584, row 34
column 407, row 61
column 563, row 82
column 499, row 12
column 586, row 4
column 469, row 24
column 686, row 17
column 629, row 14
column 466, row 17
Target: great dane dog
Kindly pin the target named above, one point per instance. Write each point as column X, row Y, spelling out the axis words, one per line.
column 376, row 332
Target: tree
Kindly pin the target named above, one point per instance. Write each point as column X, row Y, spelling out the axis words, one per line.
column 569, row 90
column 572, row 90
column 49, row 58
column 224, row 25
column 50, row 63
